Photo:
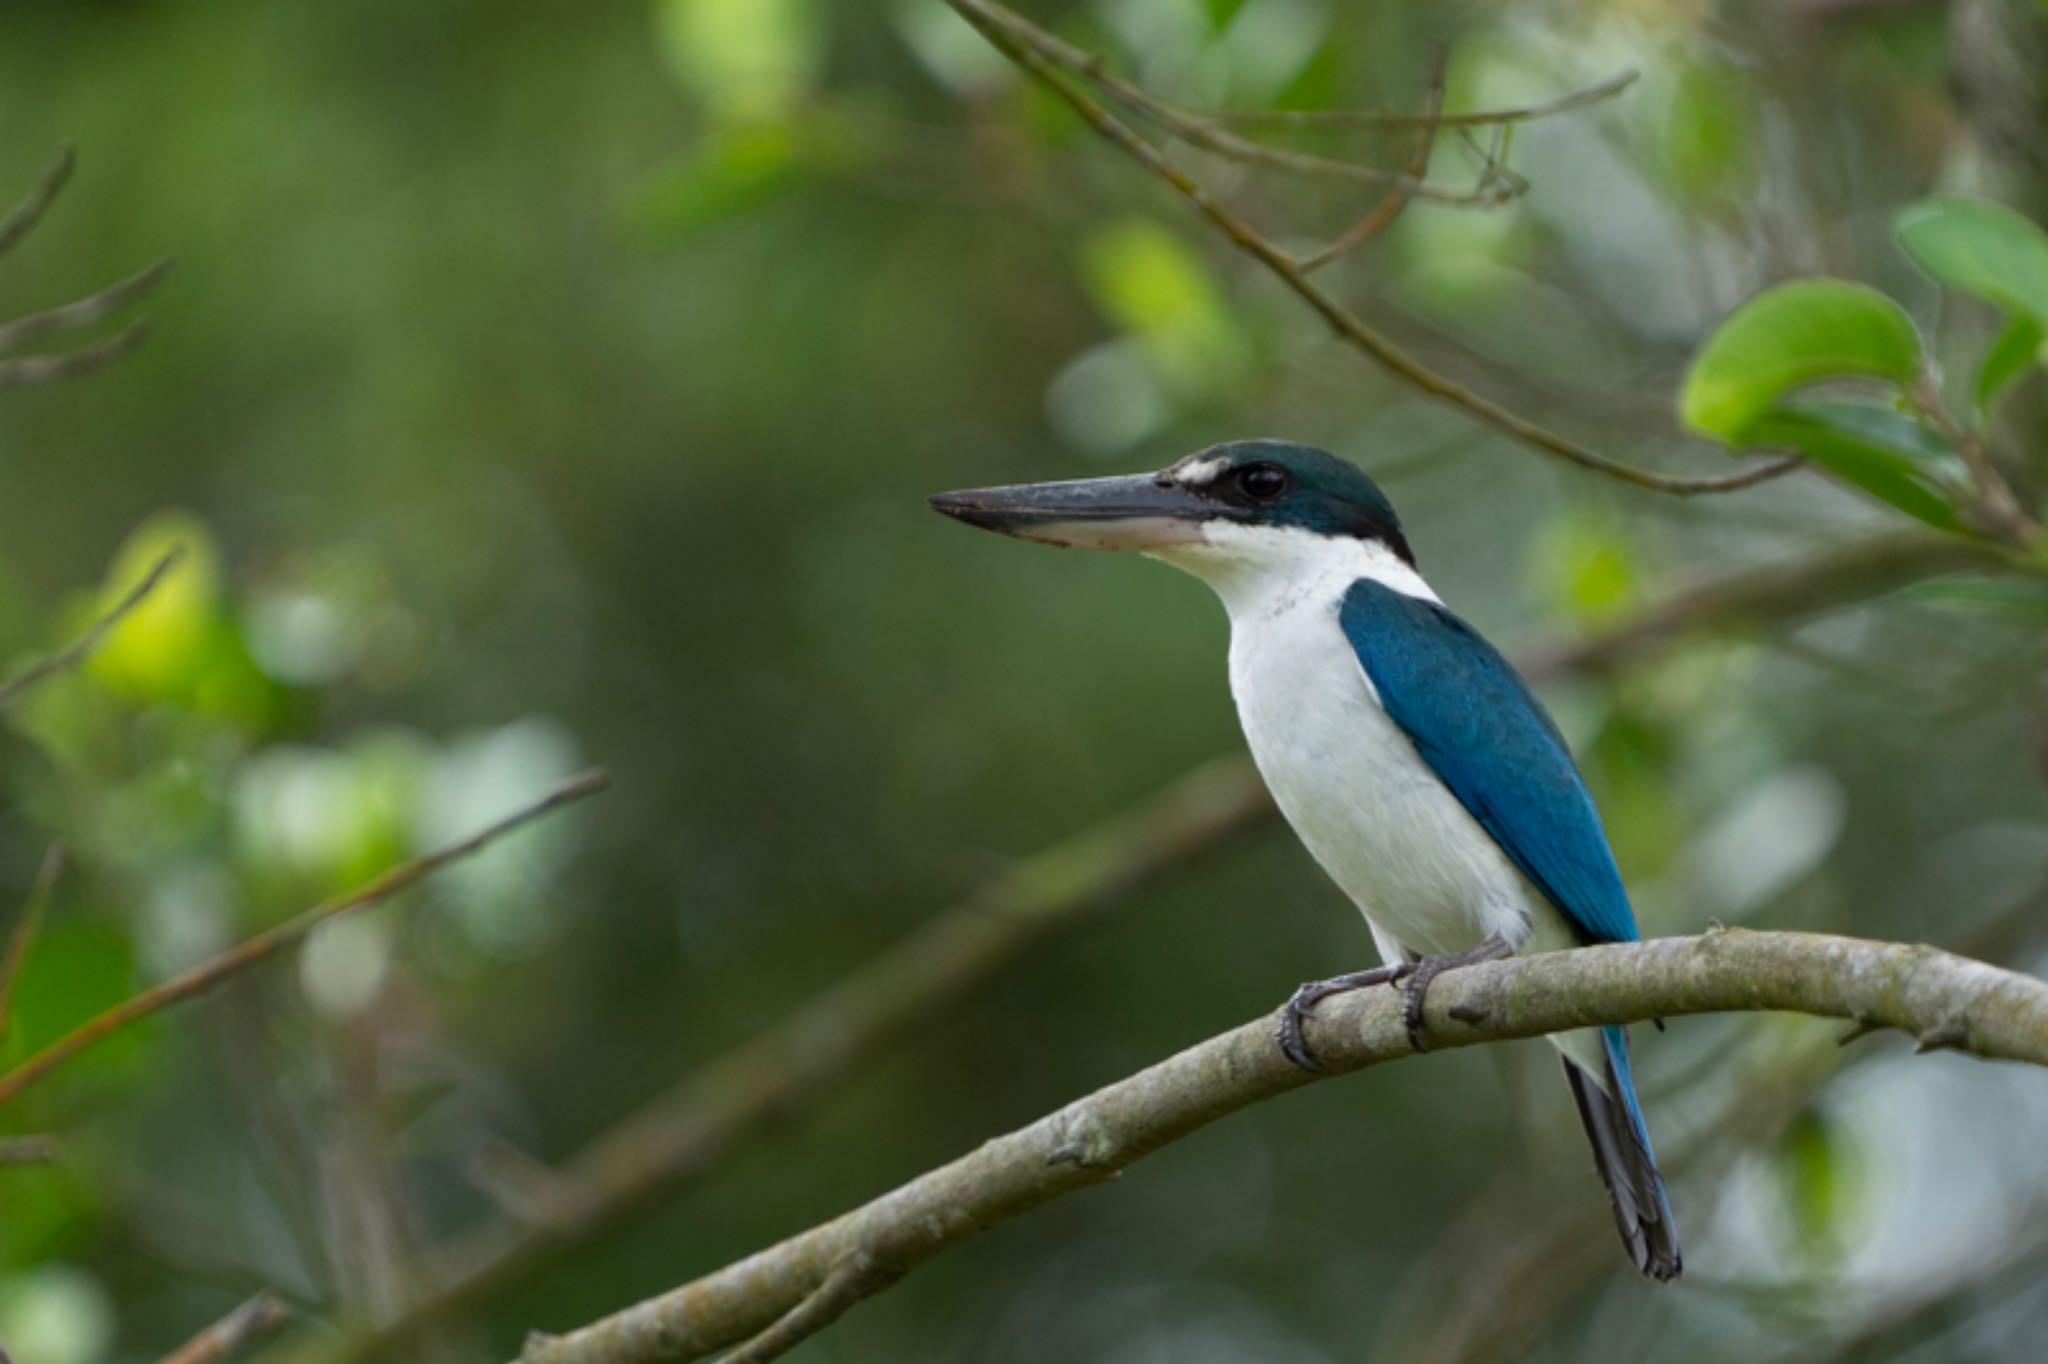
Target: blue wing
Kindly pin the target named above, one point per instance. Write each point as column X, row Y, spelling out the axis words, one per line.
column 1475, row 723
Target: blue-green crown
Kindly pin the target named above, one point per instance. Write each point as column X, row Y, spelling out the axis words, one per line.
column 1314, row 490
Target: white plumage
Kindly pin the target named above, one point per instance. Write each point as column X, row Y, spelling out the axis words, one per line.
column 1429, row 880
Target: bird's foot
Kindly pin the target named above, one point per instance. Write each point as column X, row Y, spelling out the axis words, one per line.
column 1421, row 973
column 1293, row 1044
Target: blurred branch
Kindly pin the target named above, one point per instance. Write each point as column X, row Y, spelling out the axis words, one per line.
column 680, row 1136
column 22, row 218
column 37, row 1150
column 1396, row 199
column 26, row 928
column 1944, row 1001
column 44, row 369
column 85, row 311
column 1772, row 595
column 1909, row 1319
column 255, row 1318
column 208, row 974
column 72, row 654
column 1026, row 45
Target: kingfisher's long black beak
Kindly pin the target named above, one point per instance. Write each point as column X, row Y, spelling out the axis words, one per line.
column 1138, row 511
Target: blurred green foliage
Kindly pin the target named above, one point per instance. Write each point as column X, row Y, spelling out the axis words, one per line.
column 545, row 384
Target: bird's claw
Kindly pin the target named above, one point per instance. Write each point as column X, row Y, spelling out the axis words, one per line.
column 1413, row 976
column 1293, row 1040
column 1428, row 969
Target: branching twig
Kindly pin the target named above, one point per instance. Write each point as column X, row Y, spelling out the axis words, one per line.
column 1927, row 993
column 1197, row 131
column 254, row 1319
column 1999, row 509
column 43, row 369
column 1309, row 118
column 1396, row 199
column 85, row 311
column 72, row 654
column 26, row 928
column 1007, row 32
column 852, row 1279
column 208, row 974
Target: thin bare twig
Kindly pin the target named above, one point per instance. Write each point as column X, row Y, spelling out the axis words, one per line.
column 26, row 928
column 85, row 311
column 1197, row 131
column 72, row 654
column 255, row 1318
column 1391, row 204
column 22, row 218
column 1004, row 30
column 1309, row 118
column 209, row 974
column 35, row 1150
column 48, row 369
column 854, row 1278
column 1993, row 1013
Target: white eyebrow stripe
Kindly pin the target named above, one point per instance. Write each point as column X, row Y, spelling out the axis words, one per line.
column 1196, row 472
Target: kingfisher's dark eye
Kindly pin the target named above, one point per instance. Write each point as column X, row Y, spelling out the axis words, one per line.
column 1262, row 482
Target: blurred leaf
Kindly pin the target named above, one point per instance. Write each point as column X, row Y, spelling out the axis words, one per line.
column 1998, row 594
column 1155, row 286
column 2016, row 347
column 1788, row 336
column 51, row 1210
column 1980, row 247
column 1586, row 564
column 1888, row 455
column 726, row 173
column 1711, row 132
column 1628, row 763
column 157, row 651
column 746, row 59
column 1820, row 1175
column 57, row 1314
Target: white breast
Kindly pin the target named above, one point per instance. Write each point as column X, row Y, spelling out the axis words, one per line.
column 1428, row 878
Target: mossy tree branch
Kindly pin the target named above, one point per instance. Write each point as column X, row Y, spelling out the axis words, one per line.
column 1943, row 1001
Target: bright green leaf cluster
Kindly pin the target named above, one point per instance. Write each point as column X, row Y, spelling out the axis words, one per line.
column 1744, row 383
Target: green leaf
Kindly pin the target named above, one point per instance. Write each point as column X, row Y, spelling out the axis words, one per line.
column 2015, row 348
column 1979, row 247
column 1886, row 454
column 1788, row 336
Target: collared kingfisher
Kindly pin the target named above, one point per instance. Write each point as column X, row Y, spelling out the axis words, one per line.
column 1404, row 750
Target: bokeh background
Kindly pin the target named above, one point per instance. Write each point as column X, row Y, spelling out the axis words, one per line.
column 547, row 384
